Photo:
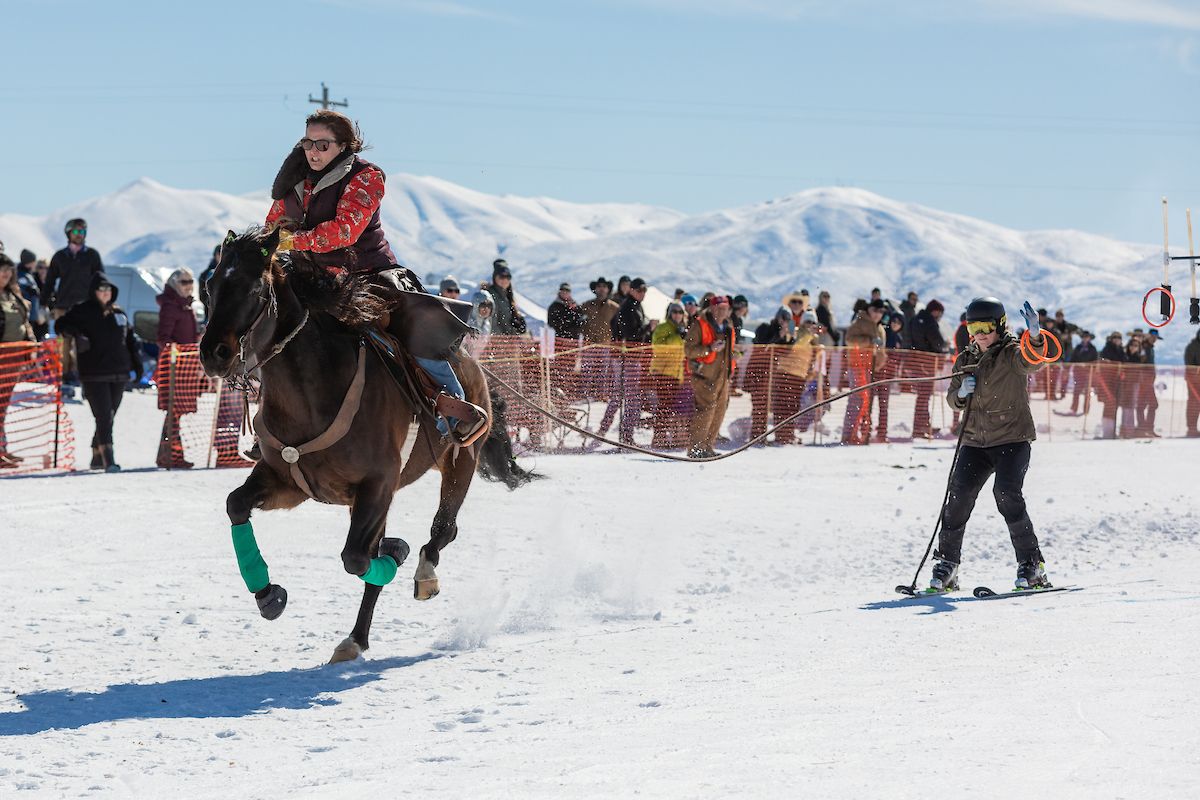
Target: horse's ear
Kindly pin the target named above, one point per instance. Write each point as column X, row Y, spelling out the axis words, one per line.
column 229, row 237
column 270, row 243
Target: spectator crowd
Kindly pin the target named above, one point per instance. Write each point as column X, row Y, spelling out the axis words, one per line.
column 677, row 375
column 681, row 371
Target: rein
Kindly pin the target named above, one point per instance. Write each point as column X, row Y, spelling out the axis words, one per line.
column 671, row 457
column 276, row 350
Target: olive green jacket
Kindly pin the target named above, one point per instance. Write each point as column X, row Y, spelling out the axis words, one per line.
column 1000, row 405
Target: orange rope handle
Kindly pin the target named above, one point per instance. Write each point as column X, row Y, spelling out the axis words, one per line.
column 1027, row 348
column 1146, row 299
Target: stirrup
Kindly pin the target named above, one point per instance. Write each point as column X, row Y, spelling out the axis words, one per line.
column 472, row 420
column 467, row 433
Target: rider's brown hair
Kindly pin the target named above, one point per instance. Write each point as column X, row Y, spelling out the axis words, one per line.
column 345, row 130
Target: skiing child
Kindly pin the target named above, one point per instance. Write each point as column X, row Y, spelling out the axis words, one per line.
column 999, row 430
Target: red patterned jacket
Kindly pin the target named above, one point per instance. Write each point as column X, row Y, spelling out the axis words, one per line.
column 339, row 216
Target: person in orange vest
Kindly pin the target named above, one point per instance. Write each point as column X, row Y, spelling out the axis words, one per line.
column 708, row 349
column 865, row 340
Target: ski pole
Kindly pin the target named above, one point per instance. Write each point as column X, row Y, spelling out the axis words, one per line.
column 911, row 589
column 1165, row 305
column 1194, row 307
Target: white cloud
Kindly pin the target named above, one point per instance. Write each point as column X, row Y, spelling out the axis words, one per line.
column 1183, row 53
column 773, row 9
column 1148, row 12
column 438, row 8
column 1165, row 13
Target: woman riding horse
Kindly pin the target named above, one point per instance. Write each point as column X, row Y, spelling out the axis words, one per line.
column 333, row 423
column 333, row 196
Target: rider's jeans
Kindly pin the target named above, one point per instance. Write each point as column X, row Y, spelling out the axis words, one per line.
column 443, row 373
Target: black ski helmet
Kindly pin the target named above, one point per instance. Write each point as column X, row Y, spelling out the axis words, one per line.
column 77, row 222
column 988, row 308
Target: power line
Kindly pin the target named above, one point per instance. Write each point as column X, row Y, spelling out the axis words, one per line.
column 325, row 102
column 404, row 165
column 672, row 106
column 660, row 102
column 803, row 118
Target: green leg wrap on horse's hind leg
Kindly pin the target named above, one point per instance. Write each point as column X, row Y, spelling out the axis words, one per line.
column 250, row 560
column 381, row 572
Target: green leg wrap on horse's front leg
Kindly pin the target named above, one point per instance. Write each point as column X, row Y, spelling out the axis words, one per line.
column 250, row 560
column 381, row 572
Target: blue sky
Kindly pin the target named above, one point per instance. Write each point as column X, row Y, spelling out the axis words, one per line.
column 1032, row 114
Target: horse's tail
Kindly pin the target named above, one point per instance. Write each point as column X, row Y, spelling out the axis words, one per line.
column 496, row 460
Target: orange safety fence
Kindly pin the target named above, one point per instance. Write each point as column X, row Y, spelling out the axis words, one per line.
column 35, row 433
column 639, row 392
column 202, row 422
column 595, row 385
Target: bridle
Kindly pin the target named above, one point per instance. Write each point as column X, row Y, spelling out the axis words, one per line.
column 266, row 301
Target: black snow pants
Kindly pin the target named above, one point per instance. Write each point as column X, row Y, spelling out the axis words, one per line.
column 1008, row 462
column 104, row 397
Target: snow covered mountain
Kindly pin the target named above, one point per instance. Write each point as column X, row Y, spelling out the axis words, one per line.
column 432, row 224
column 845, row 240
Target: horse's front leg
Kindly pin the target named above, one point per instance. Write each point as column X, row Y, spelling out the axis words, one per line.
column 261, row 488
column 372, row 558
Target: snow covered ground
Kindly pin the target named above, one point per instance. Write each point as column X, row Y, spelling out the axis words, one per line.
column 626, row 627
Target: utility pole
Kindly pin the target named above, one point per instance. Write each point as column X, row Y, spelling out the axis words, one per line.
column 325, row 102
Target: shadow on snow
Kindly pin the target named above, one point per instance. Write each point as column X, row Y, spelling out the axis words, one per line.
column 936, row 603
column 215, row 697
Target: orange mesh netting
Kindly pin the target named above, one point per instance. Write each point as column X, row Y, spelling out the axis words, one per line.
column 35, row 433
column 595, row 385
column 203, row 419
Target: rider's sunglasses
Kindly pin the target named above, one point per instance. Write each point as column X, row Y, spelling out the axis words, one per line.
column 321, row 144
column 77, row 232
column 984, row 327
column 186, row 282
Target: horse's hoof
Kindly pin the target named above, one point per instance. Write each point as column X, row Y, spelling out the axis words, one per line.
column 348, row 650
column 424, row 589
column 272, row 601
column 397, row 549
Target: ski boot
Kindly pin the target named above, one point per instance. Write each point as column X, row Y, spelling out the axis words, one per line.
column 945, row 578
column 1032, row 575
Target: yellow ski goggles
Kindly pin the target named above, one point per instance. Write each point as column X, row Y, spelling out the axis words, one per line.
column 985, row 326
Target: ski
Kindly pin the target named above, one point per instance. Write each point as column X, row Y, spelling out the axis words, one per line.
column 909, row 591
column 984, row 593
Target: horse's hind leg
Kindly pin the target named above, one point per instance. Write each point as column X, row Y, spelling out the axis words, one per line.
column 359, row 639
column 263, row 487
column 457, row 471
column 368, row 520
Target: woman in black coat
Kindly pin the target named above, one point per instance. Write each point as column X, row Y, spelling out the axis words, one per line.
column 107, row 354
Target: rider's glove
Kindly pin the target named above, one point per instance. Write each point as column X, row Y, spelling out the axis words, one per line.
column 1031, row 320
column 967, row 387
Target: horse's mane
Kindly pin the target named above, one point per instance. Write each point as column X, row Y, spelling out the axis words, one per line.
column 344, row 295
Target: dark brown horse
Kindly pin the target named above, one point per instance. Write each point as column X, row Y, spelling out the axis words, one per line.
column 287, row 319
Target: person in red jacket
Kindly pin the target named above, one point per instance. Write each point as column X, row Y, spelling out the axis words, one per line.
column 178, row 386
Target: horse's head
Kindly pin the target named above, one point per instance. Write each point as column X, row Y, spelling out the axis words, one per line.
column 238, row 293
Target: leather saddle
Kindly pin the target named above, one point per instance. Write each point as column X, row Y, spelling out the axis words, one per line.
column 425, row 326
